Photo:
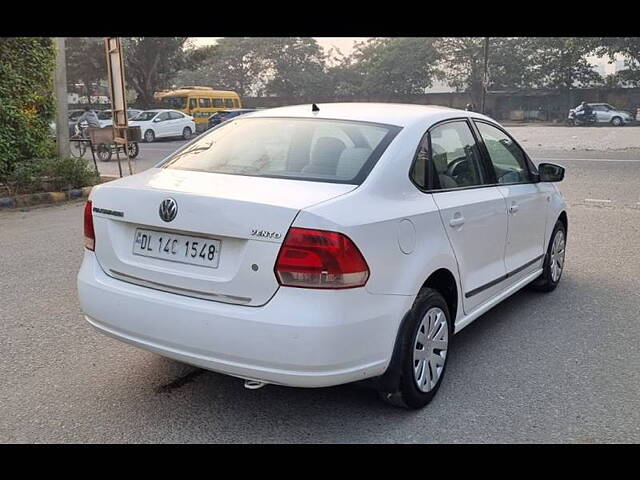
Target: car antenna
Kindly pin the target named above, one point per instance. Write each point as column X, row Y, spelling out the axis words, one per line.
column 315, row 108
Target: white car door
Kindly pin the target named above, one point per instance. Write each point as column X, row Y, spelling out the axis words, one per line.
column 473, row 213
column 178, row 122
column 161, row 125
column 527, row 201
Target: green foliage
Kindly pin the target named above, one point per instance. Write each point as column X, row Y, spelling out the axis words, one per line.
column 629, row 49
column 151, row 63
column 27, row 102
column 388, row 66
column 86, row 63
column 51, row 174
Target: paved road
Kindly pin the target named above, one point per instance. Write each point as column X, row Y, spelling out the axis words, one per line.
column 558, row 367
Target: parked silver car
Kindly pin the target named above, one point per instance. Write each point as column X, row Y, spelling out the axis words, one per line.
column 605, row 113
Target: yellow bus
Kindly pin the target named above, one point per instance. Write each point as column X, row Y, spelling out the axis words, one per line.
column 199, row 102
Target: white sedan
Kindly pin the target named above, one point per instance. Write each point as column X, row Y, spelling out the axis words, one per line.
column 312, row 247
column 162, row 123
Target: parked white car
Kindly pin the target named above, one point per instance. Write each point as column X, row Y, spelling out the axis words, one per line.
column 312, row 248
column 162, row 123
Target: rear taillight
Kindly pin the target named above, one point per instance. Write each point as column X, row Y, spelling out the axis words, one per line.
column 320, row 259
column 89, row 234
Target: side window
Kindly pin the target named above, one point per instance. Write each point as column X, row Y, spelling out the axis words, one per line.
column 506, row 156
column 204, row 102
column 193, row 103
column 228, row 103
column 218, row 103
column 175, row 115
column 454, row 156
column 235, row 103
column 163, row 116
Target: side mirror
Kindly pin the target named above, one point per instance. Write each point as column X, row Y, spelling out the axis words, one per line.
column 156, row 120
column 550, row 172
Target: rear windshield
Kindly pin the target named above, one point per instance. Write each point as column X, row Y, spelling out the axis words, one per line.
column 333, row 151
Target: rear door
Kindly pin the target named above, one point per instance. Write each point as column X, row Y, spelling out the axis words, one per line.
column 527, row 200
column 473, row 213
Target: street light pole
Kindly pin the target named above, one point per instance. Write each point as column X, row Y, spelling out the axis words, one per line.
column 62, row 117
column 485, row 77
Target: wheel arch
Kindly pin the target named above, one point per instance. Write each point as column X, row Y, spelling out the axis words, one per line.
column 565, row 220
column 443, row 281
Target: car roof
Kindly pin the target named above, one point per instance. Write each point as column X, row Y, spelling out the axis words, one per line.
column 398, row 114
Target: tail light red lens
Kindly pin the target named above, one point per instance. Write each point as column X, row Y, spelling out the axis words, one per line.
column 89, row 234
column 320, row 259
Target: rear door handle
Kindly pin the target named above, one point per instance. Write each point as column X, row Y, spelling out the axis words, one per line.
column 456, row 221
column 514, row 208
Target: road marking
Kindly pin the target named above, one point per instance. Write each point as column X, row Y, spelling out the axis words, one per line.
column 587, row 160
column 597, row 200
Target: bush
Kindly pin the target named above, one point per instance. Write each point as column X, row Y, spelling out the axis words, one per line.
column 27, row 102
column 51, row 174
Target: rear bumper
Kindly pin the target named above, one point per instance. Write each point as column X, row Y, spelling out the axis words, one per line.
column 301, row 338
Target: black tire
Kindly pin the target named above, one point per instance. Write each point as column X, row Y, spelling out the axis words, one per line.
column 78, row 149
column 103, row 152
column 149, row 136
column 545, row 282
column 617, row 122
column 186, row 133
column 133, row 149
column 408, row 395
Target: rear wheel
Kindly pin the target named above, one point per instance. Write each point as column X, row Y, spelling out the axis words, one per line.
column 616, row 121
column 186, row 133
column 78, row 148
column 133, row 149
column 424, row 352
column 553, row 261
column 103, row 151
column 149, row 136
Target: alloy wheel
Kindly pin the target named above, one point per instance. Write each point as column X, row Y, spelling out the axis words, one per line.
column 557, row 256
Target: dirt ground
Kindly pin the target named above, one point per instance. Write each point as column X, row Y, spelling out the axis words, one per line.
column 577, row 138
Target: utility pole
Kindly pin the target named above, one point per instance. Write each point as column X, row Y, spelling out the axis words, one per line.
column 485, row 76
column 62, row 116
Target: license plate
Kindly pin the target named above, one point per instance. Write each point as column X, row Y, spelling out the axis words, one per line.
column 177, row 248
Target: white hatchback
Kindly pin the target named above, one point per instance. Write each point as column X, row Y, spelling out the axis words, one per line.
column 312, row 247
column 162, row 123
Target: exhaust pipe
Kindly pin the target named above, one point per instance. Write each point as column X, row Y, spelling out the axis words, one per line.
column 253, row 384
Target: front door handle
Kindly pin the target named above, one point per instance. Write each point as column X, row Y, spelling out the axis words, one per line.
column 456, row 221
column 514, row 208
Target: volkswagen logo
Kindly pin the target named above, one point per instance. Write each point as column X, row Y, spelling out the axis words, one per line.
column 168, row 209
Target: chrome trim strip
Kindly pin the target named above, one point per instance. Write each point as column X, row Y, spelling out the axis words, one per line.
column 177, row 290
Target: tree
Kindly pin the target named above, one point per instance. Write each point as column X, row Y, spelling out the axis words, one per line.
column 233, row 63
column 293, row 66
column 561, row 62
column 151, row 63
column 86, row 63
column 387, row 66
column 629, row 48
column 462, row 65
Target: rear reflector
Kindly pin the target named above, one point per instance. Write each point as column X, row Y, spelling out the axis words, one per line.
column 320, row 259
column 89, row 234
